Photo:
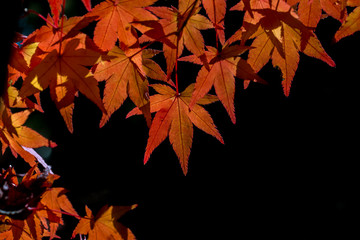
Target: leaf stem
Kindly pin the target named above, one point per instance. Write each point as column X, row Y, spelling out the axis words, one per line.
column 42, row 17
column 19, row 228
column 62, row 25
column 54, row 210
column 277, row 5
column 216, row 29
column 151, row 42
column 217, row 40
column 176, row 68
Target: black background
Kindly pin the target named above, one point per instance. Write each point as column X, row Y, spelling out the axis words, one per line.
column 288, row 168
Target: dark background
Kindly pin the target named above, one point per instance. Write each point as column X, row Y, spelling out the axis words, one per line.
column 288, row 168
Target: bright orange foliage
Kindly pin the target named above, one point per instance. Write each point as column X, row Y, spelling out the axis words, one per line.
column 64, row 58
column 173, row 118
column 32, row 206
column 105, row 224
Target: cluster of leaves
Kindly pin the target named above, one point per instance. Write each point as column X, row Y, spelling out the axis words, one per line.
column 64, row 59
column 60, row 57
column 33, row 209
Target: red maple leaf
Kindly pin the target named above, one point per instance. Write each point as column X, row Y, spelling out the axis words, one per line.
column 174, row 119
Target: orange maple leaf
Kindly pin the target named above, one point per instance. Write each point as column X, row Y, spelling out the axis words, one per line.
column 216, row 10
column 87, row 4
column 56, row 7
column 19, row 62
column 174, row 119
column 105, row 225
column 13, row 100
column 310, row 12
column 55, row 203
column 114, row 21
column 16, row 136
column 5, row 224
column 124, row 77
column 49, row 37
column 178, row 28
column 279, row 35
column 19, row 203
column 27, row 229
column 223, row 68
column 351, row 24
column 65, row 73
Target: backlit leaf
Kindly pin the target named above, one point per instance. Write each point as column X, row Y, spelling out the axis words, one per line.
column 174, row 119
column 65, row 73
column 114, row 21
column 105, row 225
column 123, row 78
column 280, row 36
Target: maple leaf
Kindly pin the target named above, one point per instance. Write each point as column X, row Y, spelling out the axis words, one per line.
column 28, row 229
column 55, row 7
column 310, row 12
column 216, row 10
column 17, row 201
column 351, row 24
column 87, row 4
column 105, row 225
column 18, row 61
column 15, row 198
column 279, row 35
column 224, row 66
column 33, row 209
column 5, row 222
column 178, row 28
column 151, row 68
column 13, row 100
column 21, row 61
column 49, row 37
column 114, row 21
column 16, row 136
column 174, row 119
column 65, row 73
column 54, row 201
column 123, row 78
